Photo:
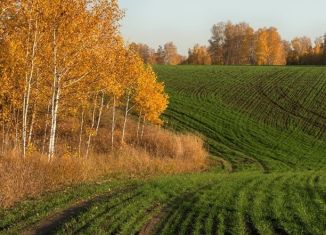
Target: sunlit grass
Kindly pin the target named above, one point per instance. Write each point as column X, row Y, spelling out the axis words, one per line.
column 272, row 148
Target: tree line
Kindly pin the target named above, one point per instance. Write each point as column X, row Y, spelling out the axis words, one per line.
column 167, row 54
column 64, row 59
column 240, row 44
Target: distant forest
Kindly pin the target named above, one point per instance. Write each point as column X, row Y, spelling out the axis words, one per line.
column 240, row 44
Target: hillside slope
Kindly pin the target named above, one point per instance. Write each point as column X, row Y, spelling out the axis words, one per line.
column 266, row 127
column 273, row 118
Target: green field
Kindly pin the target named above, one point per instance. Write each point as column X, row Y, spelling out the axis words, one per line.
column 270, row 118
column 266, row 129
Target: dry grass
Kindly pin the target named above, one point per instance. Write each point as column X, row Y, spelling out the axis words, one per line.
column 160, row 152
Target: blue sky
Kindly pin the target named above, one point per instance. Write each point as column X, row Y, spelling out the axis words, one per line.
column 186, row 22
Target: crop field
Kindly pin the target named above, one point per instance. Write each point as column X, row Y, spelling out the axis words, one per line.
column 273, row 118
column 265, row 129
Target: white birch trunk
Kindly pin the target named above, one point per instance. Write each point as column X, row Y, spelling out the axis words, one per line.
column 30, row 134
column 54, row 116
column 138, row 126
column 113, row 123
column 46, row 128
column 100, row 114
column 125, row 119
column 92, row 127
column 81, row 133
column 55, row 100
column 143, row 128
column 16, row 129
column 28, row 87
column 24, row 124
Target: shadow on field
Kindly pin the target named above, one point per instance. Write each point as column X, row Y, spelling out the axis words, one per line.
column 166, row 216
column 53, row 223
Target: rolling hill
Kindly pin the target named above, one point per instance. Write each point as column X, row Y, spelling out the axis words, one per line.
column 265, row 127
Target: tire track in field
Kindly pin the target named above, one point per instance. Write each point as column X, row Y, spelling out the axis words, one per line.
column 190, row 211
column 290, row 106
column 260, row 204
column 103, row 216
column 227, row 143
column 53, row 222
column 169, row 212
column 283, row 219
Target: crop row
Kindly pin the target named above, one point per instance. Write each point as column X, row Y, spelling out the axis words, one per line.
column 208, row 203
column 270, row 118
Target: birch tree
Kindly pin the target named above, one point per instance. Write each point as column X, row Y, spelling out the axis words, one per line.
column 56, row 56
column 72, row 57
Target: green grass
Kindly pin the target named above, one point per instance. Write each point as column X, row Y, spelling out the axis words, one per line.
column 268, row 117
column 31, row 211
column 267, row 124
